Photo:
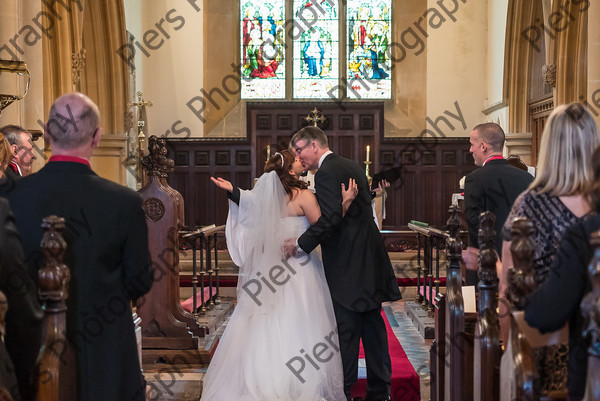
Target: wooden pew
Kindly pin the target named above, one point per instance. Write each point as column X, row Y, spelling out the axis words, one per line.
column 519, row 372
column 487, row 351
column 57, row 371
column 590, row 309
column 459, row 328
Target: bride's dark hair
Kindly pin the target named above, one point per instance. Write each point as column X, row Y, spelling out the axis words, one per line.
column 281, row 163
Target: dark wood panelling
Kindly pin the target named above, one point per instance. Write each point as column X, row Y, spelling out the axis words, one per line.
column 343, row 126
column 430, row 168
column 231, row 159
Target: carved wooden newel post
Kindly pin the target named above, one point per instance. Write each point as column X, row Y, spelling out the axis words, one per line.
column 56, row 367
column 487, row 346
column 166, row 327
column 521, row 282
column 590, row 309
column 455, row 315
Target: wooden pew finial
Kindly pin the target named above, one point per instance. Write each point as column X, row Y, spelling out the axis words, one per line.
column 487, row 254
column 157, row 162
column 54, row 277
column 521, row 277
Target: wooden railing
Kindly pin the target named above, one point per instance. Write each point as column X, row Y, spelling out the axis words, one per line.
column 432, row 239
column 202, row 239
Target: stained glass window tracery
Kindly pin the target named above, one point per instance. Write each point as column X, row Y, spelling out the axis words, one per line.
column 316, row 51
column 262, row 43
column 368, row 67
column 314, row 32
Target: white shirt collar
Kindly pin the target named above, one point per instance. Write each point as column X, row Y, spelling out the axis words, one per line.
column 323, row 156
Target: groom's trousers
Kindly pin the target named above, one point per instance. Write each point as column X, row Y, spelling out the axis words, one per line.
column 352, row 326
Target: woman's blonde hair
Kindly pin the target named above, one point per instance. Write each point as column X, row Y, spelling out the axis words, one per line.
column 5, row 153
column 565, row 162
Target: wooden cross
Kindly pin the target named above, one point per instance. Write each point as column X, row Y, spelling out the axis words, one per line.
column 315, row 118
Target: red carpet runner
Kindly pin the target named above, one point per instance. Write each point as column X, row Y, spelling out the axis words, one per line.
column 405, row 381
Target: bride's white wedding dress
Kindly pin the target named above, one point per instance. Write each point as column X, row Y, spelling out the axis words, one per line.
column 281, row 341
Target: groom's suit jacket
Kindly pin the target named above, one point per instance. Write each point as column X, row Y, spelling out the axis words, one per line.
column 357, row 266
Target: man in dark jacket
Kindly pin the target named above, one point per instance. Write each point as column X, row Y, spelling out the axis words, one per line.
column 107, row 250
column 357, row 266
column 493, row 187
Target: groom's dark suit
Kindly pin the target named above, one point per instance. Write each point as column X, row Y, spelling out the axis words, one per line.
column 358, row 271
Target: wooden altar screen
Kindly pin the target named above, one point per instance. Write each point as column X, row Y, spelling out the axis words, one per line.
column 430, row 168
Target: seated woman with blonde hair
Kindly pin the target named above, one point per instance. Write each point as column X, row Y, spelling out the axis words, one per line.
column 554, row 201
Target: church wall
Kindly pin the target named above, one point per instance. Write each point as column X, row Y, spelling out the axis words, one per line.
column 169, row 61
column 496, row 20
column 457, row 67
column 212, row 48
column 593, row 72
column 14, row 16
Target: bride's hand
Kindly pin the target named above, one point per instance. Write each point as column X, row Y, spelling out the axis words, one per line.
column 222, row 183
column 349, row 194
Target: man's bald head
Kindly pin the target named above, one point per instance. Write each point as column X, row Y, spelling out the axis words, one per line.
column 73, row 121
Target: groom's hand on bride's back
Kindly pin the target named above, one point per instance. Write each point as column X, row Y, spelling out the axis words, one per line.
column 290, row 248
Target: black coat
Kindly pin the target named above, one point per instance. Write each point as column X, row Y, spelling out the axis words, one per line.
column 357, row 266
column 24, row 316
column 107, row 253
column 493, row 187
column 557, row 300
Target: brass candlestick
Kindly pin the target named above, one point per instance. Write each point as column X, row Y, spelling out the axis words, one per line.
column 369, row 178
column 140, row 137
column 367, row 163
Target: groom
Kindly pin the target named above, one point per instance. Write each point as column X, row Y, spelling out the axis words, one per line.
column 357, row 266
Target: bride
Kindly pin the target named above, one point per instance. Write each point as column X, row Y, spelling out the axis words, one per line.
column 281, row 341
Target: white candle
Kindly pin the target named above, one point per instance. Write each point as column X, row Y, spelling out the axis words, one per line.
column 368, row 153
column 268, row 152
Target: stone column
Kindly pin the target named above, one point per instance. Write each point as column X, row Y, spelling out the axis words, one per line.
column 519, row 144
column 593, row 51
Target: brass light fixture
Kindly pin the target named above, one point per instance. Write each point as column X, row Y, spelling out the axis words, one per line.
column 15, row 67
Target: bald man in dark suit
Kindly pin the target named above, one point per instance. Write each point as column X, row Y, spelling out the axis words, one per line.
column 107, row 250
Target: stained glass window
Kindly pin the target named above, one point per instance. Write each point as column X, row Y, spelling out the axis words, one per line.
column 316, row 49
column 368, row 72
column 262, row 49
column 314, row 34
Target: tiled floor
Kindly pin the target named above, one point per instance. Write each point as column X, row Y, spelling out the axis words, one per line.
column 416, row 348
column 184, row 388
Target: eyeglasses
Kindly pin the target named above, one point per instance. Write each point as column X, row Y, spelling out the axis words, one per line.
column 299, row 149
